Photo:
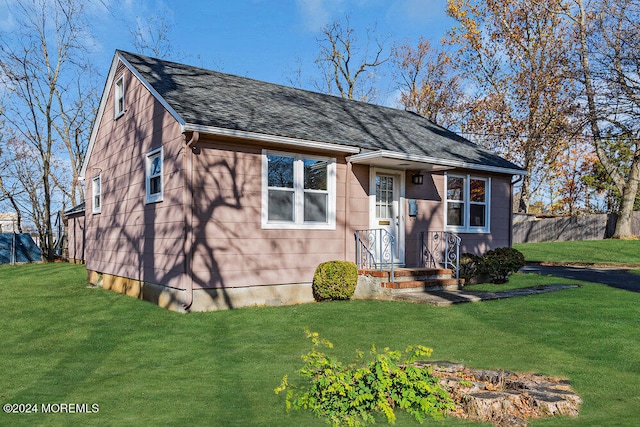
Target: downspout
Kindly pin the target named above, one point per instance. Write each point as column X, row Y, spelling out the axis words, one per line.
column 347, row 196
column 518, row 179
column 195, row 136
column 187, row 208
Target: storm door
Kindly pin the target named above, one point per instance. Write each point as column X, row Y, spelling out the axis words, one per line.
column 387, row 216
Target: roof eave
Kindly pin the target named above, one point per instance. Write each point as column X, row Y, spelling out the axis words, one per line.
column 431, row 163
column 275, row 139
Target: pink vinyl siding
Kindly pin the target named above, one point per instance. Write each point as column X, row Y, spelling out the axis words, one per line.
column 230, row 247
column 500, row 235
column 431, row 215
column 130, row 238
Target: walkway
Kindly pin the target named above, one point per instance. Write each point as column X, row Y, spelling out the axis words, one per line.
column 446, row 298
column 616, row 277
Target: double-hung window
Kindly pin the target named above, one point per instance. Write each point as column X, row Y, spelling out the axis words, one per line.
column 467, row 206
column 298, row 191
column 153, row 181
column 96, row 192
column 119, row 97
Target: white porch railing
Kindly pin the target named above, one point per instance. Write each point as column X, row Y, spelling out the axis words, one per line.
column 375, row 249
column 441, row 249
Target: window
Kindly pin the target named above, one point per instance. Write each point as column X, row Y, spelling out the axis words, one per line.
column 467, row 207
column 154, row 176
column 298, row 191
column 119, row 97
column 96, row 191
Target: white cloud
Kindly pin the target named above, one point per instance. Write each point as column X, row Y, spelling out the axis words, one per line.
column 315, row 14
column 419, row 12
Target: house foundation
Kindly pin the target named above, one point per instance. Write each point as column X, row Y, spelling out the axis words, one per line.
column 205, row 299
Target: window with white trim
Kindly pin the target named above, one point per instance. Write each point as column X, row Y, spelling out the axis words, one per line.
column 119, row 97
column 298, row 191
column 153, row 181
column 467, row 203
column 96, row 191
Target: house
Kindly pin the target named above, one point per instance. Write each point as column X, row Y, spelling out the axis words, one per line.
column 75, row 220
column 209, row 191
column 8, row 222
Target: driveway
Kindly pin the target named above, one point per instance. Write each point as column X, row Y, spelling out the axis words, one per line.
column 619, row 278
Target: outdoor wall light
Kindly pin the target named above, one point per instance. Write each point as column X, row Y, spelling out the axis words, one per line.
column 417, row 178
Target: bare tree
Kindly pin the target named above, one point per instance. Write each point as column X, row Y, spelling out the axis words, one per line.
column 151, row 37
column 49, row 105
column 609, row 70
column 348, row 68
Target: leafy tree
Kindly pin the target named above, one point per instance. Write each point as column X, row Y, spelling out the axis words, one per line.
column 515, row 55
column 607, row 64
column 428, row 83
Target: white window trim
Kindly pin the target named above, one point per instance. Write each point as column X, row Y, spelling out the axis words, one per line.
column 158, row 197
column 298, row 184
column 467, row 228
column 119, row 92
column 96, row 179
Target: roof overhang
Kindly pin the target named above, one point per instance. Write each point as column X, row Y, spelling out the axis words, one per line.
column 274, row 139
column 394, row 159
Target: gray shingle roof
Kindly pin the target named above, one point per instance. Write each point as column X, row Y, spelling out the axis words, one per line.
column 210, row 98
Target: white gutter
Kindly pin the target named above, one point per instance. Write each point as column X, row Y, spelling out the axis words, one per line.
column 380, row 154
column 261, row 137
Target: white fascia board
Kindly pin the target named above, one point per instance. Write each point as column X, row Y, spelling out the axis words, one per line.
column 261, row 137
column 99, row 114
column 103, row 100
column 366, row 157
column 150, row 88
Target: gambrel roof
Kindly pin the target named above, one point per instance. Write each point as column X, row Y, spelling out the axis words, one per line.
column 215, row 102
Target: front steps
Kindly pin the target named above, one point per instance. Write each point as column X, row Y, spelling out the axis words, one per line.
column 378, row 284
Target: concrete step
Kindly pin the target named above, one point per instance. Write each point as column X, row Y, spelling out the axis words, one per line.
column 447, row 284
column 409, row 274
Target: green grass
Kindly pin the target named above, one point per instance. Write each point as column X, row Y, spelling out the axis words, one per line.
column 64, row 343
column 587, row 251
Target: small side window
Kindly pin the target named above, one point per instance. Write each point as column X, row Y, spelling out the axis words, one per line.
column 119, row 97
column 154, row 176
column 96, row 191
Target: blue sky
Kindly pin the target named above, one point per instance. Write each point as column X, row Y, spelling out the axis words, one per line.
column 261, row 39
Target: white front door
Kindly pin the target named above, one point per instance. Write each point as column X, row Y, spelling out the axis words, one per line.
column 387, row 214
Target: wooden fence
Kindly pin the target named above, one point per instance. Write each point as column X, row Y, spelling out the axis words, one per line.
column 584, row 227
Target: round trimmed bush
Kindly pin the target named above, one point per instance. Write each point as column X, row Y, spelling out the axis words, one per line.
column 335, row 280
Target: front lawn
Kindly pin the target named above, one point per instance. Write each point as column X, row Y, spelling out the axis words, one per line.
column 142, row 365
column 609, row 251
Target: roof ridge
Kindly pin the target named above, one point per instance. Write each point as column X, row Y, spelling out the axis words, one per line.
column 214, row 99
column 309, row 91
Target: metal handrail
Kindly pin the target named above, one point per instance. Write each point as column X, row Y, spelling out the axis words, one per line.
column 441, row 249
column 375, row 249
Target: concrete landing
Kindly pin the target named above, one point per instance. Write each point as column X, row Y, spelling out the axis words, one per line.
column 446, row 298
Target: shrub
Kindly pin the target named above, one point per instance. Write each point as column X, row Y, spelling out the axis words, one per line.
column 499, row 263
column 469, row 267
column 351, row 394
column 335, row 280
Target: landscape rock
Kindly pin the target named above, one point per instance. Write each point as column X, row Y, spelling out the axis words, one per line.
column 505, row 398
